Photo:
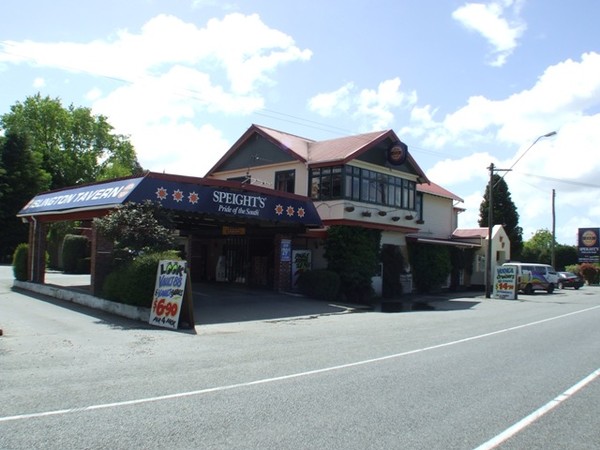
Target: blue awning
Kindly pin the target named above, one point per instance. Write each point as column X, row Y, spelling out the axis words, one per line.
column 225, row 199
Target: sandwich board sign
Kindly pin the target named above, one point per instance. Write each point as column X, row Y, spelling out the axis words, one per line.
column 505, row 283
column 171, row 282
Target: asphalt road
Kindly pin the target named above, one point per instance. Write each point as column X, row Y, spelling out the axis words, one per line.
column 474, row 373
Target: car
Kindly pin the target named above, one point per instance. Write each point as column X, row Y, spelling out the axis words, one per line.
column 569, row 279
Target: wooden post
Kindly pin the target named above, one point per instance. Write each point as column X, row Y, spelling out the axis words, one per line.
column 101, row 261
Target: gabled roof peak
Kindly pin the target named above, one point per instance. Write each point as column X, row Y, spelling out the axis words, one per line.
column 335, row 151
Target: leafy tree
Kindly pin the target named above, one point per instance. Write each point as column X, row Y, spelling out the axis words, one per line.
column 353, row 253
column 74, row 146
column 137, row 228
column 565, row 255
column 20, row 179
column 504, row 212
column 539, row 249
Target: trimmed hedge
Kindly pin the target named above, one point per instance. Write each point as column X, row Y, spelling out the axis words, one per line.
column 20, row 262
column 133, row 282
column 321, row 284
column 353, row 253
column 74, row 254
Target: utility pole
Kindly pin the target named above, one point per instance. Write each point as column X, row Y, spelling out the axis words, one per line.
column 552, row 256
column 488, row 260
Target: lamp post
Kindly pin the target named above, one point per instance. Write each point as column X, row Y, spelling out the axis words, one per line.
column 492, row 169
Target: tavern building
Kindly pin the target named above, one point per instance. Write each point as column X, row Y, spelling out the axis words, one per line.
column 268, row 202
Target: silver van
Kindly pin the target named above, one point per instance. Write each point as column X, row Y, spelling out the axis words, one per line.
column 535, row 277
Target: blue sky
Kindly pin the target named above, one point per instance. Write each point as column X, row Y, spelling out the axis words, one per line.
column 463, row 84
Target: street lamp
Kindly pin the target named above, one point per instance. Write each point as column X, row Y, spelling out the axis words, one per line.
column 492, row 169
column 552, row 133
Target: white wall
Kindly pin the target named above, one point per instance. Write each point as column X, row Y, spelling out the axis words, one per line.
column 439, row 216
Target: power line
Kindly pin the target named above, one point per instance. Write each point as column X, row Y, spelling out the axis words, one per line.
column 196, row 95
column 562, row 180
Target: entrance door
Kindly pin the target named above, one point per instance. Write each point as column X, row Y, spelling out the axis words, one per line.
column 235, row 253
column 262, row 254
column 199, row 259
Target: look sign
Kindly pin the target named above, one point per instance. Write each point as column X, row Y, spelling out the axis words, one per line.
column 168, row 294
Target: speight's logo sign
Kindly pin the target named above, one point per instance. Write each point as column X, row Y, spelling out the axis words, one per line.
column 239, row 204
column 396, row 155
column 589, row 247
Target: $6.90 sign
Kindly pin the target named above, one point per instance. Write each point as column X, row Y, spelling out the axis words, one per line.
column 168, row 293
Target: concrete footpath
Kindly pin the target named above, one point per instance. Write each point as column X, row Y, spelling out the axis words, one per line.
column 226, row 303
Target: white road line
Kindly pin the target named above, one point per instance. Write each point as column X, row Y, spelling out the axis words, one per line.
column 525, row 422
column 280, row 378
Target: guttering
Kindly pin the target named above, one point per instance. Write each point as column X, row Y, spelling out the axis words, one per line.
column 445, row 242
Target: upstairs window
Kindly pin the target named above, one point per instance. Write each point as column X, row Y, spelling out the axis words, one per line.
column 419, row 206
column 363, row 185
column 326, row 183
column 285, row 181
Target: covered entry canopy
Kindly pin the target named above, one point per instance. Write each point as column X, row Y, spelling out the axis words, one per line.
column 201, row 207
column 188, row 196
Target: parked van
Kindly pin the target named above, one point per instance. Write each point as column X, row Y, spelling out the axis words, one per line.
column 535, row 277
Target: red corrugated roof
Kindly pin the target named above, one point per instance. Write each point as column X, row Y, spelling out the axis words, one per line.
column 435, row 189
column 315, row 152
column 340, row 150
column 470, row 233
column 343, row 148
column 296, row 144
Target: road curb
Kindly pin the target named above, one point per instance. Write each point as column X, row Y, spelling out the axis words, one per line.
column 120, row 309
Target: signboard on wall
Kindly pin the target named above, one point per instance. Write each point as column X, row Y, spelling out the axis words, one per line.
column 301, row 262
column 505, row 283
column 286, row 250
column 588, row 245
column 168, row 294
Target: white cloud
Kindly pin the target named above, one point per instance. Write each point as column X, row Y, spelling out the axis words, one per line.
column 564, row 99
column 182, row 149
column 93, row 94
column 170, row 72
column 562, row 95
column 374, row 108
column 450, row 172
column 39, row 82
column 378, row 105
column 329, row 103
column 241, row 47
column 489, row 21
column 470, row 217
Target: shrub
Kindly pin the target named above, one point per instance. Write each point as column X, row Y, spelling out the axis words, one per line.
column 431, row 265
column 321, row 283
column 20, row 262
column 75, row 249
column 353, row 253
column 393, row 266
column 589, row 272
column 137, row 228
column 133, row 283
